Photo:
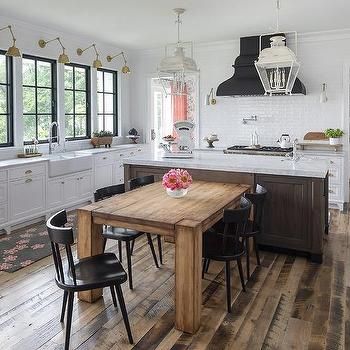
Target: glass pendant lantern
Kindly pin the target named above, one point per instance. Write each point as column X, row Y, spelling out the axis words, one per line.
column 172, row 69
column 277, row 66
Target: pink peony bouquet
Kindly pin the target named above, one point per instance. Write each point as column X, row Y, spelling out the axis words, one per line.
column 177, row 179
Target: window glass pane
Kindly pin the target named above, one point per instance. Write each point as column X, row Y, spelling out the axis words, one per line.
column 3, row 129
column 69, row 125
column 44, row 100
column 29, row 127
column 109, row 123
column 68, row 102
column 80, row 125
column 80, row 102
column 68, row 77
column 100, row 102
column 100, row 122
column 3, row 78
column 44, row 73
column 44, row 122
column 3, row 99
column 28, row 100
column 99, row 81
column 80, row 82
column 108, row 82
column 109, row 103
column 28, row 67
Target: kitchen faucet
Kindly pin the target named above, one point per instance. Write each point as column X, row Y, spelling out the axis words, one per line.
column 51, row 137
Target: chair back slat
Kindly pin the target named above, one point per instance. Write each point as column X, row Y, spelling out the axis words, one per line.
column 235, row 221
column 71, row 262
column 109, row 191
column 258, row 199
column 60, row 236
column 141, row 181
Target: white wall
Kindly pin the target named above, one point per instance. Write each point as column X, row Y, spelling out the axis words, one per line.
column 27, row 41
column 322, row 57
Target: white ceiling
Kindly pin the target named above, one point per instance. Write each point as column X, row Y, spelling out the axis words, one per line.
column 150, row 23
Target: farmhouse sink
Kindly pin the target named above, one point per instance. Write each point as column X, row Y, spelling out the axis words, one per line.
column 68, row 163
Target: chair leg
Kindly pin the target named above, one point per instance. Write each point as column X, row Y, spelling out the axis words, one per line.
column 204, row 262
column 128, row 258
column 207, row 265
column 256, row 248
column 132, row 246
column 240, row 269
column 64, row 305
column 159, row 239
column 150, row 242
column 228, row 285
column 248, row 257
column 69, row 319
column 120, row 251
column 104, row 244
column 124, row 313
column 113, row 296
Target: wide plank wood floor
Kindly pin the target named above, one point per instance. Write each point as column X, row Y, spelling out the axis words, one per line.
column 290, row 303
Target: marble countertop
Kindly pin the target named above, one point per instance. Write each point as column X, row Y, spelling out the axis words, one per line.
column 256, row 164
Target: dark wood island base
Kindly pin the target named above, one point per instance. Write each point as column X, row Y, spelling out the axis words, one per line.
column 296, row 209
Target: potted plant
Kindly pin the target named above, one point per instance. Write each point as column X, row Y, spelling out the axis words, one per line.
column 334, row 136
column 102, row 138
column 176, row 182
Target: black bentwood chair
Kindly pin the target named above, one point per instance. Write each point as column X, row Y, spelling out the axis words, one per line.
column 122, row 234
column 254, row 226
column 228, row 245
column 140, row 182
column 99, row 271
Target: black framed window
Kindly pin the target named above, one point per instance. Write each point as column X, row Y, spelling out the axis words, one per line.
column 107, row 113
column 39, row 97
column 76, row 101
column 6, row 100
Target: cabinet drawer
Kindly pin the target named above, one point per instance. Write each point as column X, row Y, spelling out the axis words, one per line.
column 3, row 213
column 103, row 159
column 334, row 176
column 3, row 175
column 335, row 192
column 3, row 192
column 24, row 171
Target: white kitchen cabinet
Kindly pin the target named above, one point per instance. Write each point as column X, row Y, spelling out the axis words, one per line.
column 55, row 193
column 3, row 213
column 70, row 189
column 85, row 186
column 103, row 175
column 27, row 197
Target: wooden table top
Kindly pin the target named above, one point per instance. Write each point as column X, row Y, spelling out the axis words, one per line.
column 150, row 205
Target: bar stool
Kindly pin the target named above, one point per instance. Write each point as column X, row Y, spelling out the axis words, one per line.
column 254, row 226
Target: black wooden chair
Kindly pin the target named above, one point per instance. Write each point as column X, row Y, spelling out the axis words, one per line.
column 99, row 271
column 140, row 182
column 228, row 245
column 254, row 226
column 122, row 234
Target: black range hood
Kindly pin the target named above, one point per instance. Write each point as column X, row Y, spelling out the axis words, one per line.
column 245, row 80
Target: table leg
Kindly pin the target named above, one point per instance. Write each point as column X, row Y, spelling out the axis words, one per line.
column 188, row 290
column 90, row 242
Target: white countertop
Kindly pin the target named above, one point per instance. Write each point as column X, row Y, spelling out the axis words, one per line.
column 256, row 164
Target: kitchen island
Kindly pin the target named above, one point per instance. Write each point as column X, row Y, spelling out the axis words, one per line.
column 296, row 209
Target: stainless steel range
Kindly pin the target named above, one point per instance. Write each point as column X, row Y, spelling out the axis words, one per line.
column 265, row 150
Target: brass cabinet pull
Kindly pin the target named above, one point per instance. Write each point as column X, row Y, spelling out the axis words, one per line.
column 331, row 175
column 62, row 182
column 330, row 191
column 132, row 153
column 28, row 180
column 331, row 161
column 104, row 158
column 121, row 154
column 28, row 172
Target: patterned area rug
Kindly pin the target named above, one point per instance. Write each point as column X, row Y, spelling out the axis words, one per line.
column 27, row 245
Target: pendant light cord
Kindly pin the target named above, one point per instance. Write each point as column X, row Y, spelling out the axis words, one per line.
column 178, row 21
column 278, row 6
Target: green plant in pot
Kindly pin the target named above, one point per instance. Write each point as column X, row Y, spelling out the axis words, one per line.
column 102, row 138
column 334, row 136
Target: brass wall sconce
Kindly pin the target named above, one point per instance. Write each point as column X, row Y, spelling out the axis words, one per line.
column 97, row 63
column 12, row 51
column 209, row 99
column 62, row 58
column 125, row 68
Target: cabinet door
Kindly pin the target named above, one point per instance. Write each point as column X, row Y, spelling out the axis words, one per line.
column 85, row 186
column 103, row 176
column 118, row 173
column 55, row 193
column 3, row 213
column 71, row 189
column 27, row 197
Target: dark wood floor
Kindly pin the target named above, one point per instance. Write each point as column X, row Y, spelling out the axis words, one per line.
column 290, row 303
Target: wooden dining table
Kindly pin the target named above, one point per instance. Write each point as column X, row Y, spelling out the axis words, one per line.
column 150, row 209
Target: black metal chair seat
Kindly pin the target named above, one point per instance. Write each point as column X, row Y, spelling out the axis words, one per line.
column 98, row 271
column 219, row 247
column 121, row 234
